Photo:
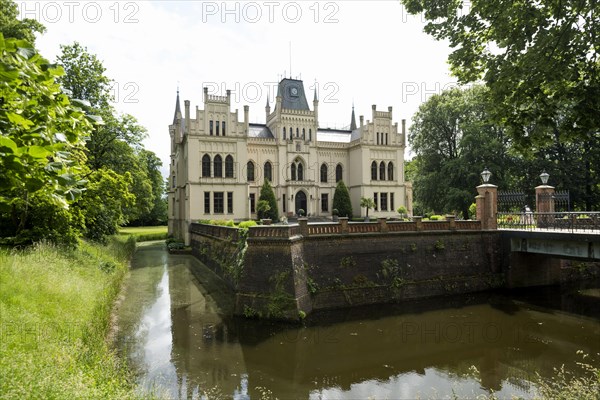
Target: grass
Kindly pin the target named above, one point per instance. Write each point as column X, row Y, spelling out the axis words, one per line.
column 55, row 309
column 145, row 233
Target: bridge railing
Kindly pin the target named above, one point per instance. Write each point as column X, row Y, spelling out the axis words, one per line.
column 556, row 221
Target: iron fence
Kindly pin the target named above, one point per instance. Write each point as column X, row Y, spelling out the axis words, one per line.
column 557, row 221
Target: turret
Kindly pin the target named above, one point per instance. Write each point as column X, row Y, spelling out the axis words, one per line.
column 267, row 110
column 246, row 119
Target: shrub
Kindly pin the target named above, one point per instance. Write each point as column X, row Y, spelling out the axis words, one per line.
column 341, row 200
column 247, row 224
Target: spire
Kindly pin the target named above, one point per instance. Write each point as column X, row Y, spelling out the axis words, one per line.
column 268, row 100
column 315, row 99
column 177, row 108
column 353, row 119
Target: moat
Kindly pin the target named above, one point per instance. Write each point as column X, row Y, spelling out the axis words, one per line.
column 177, row 331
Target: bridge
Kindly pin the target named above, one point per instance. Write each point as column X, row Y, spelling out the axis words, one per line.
column 571, row 235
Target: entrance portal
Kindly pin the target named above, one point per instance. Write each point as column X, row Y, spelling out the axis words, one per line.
column 301, row 202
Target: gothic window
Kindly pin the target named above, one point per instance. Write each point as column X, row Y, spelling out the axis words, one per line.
column 229, row 167
column 382, row 171
column 206, row 166
column 338, row 172
column 310, row 134
column 217, row 126
column 291, row 133
column 303, row 133
column 386, row 138
column 297, row 132
column 223, row 127
column 218, row 166
column 373, row 171
column 300, row 172
column 250, row 171
column 324, row 173
column 284, row 133
column 210, row 127
column 252, row 203
column 377, row 137
column 268, row 171
column 390, row 171
column 293, row 169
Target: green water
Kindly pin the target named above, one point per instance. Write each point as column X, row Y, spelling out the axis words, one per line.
column 176, row 329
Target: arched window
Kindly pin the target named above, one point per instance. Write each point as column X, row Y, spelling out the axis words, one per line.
column 377, row 137
column 217, row 126
column 218, row 166
column 284, row 133
column 324, row 172
column 382, row 171
column 304, row 133
column 229, row 167
column 250, row 171
column 268, row 171
column 338, row 172
column 300, row 172
column 297, row 132
column 310, row 134
column 391, row 171
column 206, row 166
column 293, row 168
column 373, row 171
column 386, row 138
column 291, row 133
column 223, row 127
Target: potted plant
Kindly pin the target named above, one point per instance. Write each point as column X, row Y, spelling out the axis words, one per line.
column 334, row 214
column 300, row 213
column 402, row 211
column 367, row 203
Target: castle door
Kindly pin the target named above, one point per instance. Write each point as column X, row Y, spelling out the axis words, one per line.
column 301, row 202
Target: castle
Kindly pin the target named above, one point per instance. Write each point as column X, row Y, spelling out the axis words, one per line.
column 218, row 164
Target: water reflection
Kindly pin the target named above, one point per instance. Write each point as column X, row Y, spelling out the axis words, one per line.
column 177, row 332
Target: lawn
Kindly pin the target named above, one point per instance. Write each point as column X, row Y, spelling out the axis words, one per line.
column 145, row 233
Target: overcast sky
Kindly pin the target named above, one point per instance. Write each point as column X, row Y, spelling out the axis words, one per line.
column 361, row 52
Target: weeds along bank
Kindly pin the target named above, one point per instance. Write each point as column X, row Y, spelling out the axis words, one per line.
column 55, row 307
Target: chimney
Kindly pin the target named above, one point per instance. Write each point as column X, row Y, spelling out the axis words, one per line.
column 362, row 120
column 403, row 132
column 246, row 120
column 228, row 96
column 187, row 117
column 390, row 111
column 205, row 95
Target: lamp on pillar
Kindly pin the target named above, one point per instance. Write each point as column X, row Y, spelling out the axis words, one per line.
column 485, row 175
column 544, row 177
column 486, row 201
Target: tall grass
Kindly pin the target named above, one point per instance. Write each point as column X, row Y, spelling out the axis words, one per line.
column 55, row 309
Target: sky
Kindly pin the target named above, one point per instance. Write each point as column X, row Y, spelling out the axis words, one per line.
column 358, row 52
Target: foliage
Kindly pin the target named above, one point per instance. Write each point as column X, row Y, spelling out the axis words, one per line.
column 455, row 140
column 341, row 200
column 473, row 211
column 41, row 136
column 13, row 27
column 267, row 194
column 103, row 203
column 55, row 313
column 539, row 60
column 263, row 209
column 367, row 203
column 247, row 224
column 567, row 385
column 145, row 233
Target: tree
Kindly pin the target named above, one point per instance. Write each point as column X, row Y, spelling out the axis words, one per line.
column 41, row 136
column 267, row 194
column 341, row 200
column 367, row 203
column 454, row 141
column 539, row 60
column 12, row 27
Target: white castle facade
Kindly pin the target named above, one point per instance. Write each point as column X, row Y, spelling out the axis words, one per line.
column 218, row 164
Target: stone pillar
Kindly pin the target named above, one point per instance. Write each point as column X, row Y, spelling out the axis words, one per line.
column 303, row 222
column 418, row 222
column 544, row 205
column 383, row 226
column 343, row 224
column 487, row 205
